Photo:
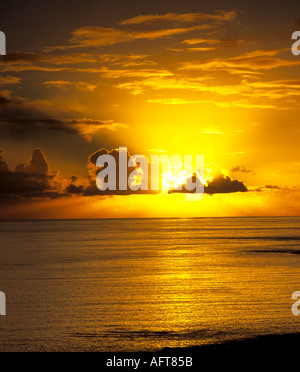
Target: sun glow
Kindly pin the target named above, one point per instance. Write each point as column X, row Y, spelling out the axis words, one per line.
column 174, row 176
column 172, row 182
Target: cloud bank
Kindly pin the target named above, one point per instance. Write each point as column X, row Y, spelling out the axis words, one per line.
column 34, row 179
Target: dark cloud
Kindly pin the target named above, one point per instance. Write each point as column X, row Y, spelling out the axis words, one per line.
column 37, row 165
column 269, row 188
column 22, row 61
column 225, row 185
column 239, row 169
column 20, row 118
column 92, row 190
column 219, row 185
column 21, row 57
column 273, row 187
column 33, row 179
column 73, row 188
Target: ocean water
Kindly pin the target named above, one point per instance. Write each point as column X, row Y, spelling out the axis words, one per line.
column 132, row 285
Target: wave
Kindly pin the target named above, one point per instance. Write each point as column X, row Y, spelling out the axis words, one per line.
column 280, row 251
column 160, row 335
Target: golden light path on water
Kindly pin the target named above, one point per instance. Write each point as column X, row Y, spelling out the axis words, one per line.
column 112, row 285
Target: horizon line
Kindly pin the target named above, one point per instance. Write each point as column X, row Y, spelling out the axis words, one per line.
column 138, row 218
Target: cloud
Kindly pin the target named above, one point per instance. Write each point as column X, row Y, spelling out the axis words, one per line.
column 224, row 104
column 278, row 94
column 79, row 85
column 218, row 184
column 85, row 127
column 219, row 16
column 73, row 188
column 101, row 36
column 239, row 169
column 9, row 80
column 20, row 118
column 98, row 36
column 259, row 60
column 238, row 95
column 92, row 190
column 30, row 180
column 21, row 61
column 286, row 92
column 271, row 188
column 86, row 37
column 192, row 50
column 174, row 83
column 37, row 165
column 67, row 62
column 132, row 73
column 34, row 180
column 174, row 101
column 226, row 42
column 225, row 185
column 201, row 41
column 88, row 127
column 213, row 41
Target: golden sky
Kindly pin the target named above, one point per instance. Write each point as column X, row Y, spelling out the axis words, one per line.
column 191, row 78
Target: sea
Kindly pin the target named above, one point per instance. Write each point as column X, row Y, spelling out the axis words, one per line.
column 146, row 284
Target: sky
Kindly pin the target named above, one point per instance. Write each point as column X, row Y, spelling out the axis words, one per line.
column 211, row 78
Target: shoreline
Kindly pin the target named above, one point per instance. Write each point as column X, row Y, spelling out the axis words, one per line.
column 266, row 350
column 257, row 351
column 267, row 342
column 268, row 347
